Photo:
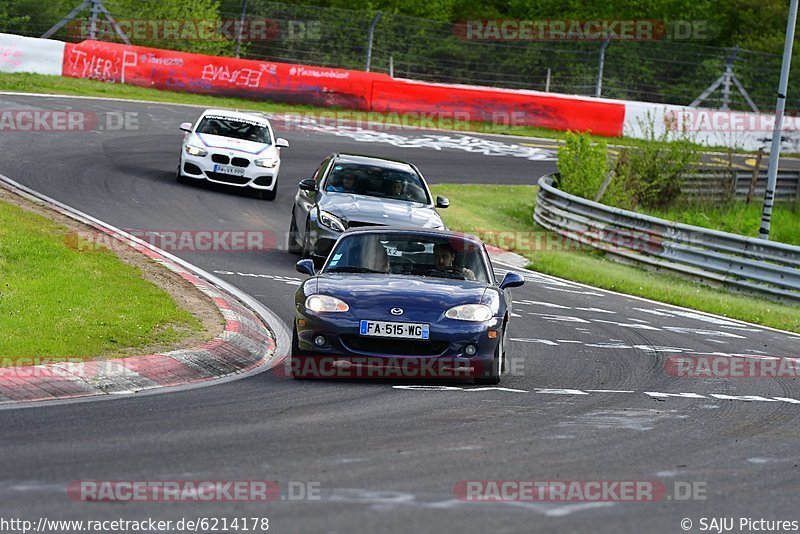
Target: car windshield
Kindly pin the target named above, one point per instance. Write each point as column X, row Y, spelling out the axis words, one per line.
column 409, row 254
column 235, row 128
column 374, row 181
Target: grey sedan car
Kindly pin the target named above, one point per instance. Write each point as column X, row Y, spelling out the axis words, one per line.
column 349, row 191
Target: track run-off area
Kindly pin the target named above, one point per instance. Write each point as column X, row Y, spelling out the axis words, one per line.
column 590, row 396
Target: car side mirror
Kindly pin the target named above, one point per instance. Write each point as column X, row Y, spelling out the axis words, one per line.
column 309, row 184
column 442, row 202
column 186, row 126
column 511, row 279
column 281, row 143
column 305, row 266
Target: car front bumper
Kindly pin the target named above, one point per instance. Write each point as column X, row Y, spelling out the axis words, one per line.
column 253, row 176
column 345, row 353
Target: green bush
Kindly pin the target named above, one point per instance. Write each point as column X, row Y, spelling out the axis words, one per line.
column 652, row 174
column 582, row 164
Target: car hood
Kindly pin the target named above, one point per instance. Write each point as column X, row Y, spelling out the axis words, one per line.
column 219, row 142
column 382, row 211
column 414, row 294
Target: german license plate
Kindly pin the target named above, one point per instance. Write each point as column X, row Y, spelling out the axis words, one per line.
column 229, row 169
column 389, row 329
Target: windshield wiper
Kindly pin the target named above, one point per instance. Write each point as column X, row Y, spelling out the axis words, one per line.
column 352, row 269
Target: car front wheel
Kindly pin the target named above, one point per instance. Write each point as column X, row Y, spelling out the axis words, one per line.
column 491, row 376
column 293, row 246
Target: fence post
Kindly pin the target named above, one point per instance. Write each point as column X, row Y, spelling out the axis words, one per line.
column 241, row 28
column 391, row 66
column 756, row 170
column 547, row 82
column 599, row 88
column 369, row 38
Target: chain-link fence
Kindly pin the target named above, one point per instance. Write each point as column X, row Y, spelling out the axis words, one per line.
column 675, row 72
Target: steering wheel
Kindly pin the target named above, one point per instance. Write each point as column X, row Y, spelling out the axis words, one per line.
column 449, row 269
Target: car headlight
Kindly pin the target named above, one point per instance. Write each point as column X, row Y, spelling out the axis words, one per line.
column 331, row 221
column 470, row 312
column 195, row 151
column 326, row 303
column 269, row 163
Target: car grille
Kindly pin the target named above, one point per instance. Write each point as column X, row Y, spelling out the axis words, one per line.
column 359, row 224
column 240, row 162
column 220, row 158
column 227, row 178
column 266, row 181
column 394, row 347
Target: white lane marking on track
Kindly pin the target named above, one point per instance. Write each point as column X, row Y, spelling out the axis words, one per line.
column 467, row 143
column 608, row 346
column 578, row 392
column 285, row 279
column 538, row 303
column 559, row 318
column 534, row 340
column 711, row 333
column 575, row 291
column 718, row 321
column 636, row 326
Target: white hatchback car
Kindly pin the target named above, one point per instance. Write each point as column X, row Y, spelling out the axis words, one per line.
column 233, row 148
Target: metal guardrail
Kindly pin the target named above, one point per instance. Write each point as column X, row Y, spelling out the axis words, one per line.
column 744, row 262
column 723, row 183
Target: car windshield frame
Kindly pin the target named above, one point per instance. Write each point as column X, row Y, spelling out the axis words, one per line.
column 357, row 253
column 375, row 181
column 242, row 130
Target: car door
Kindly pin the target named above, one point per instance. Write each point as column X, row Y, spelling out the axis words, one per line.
column 305, row 200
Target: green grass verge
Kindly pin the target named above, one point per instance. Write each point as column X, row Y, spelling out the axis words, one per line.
column 66, row 302
column 738, row 218
column 39, row 83
column 487, row 210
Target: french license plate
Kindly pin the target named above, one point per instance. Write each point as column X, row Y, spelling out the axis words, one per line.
column 229, row 169
column 388, row 329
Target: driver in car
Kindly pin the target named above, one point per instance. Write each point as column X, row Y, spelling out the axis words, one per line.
column 444, row 256
column 397, row 190
column 347, row 186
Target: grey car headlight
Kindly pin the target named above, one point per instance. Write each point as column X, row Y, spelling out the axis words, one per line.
column 195, row 151
column 269, row 163
column 326, row 303
column 470, row 312
column 331, row 221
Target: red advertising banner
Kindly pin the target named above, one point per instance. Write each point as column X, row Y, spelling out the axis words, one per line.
column 197, row 73
column 327, row 87
column 515, row 108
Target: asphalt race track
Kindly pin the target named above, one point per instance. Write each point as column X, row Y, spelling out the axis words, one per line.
column 586, row 401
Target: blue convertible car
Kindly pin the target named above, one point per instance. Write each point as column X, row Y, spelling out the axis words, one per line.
column 392, row 302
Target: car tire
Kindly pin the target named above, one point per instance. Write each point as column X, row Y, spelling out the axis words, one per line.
column 293, row 245
column 306, row 251
column 180, row 178
column 492, row 375
column 266, row 194
column 295, row 365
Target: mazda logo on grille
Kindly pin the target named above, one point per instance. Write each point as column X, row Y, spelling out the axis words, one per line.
column 397, row 311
